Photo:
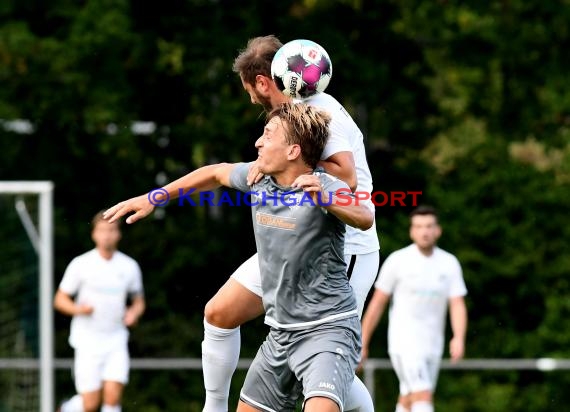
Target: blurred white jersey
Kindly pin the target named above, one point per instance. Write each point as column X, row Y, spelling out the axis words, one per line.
column 345, row 136
column 421, row 287
column 104, row 285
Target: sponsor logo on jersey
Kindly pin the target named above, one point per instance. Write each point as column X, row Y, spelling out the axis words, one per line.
column 279, row 222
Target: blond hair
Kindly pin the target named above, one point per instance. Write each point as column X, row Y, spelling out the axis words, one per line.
column 306, row 126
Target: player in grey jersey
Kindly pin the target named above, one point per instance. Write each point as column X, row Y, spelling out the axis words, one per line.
column 239, row 299
column 313, row 346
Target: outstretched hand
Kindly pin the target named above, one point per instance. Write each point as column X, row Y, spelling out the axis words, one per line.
column 140, row 205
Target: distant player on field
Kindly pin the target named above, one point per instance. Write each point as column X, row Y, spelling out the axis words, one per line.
column 422, row 281
column 94, row 291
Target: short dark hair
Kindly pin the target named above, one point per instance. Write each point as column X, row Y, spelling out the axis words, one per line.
column 256, row 58
column 99, row 217
column 423, row 210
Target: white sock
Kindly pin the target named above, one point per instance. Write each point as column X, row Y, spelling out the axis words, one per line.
column 422, row 406
column 220, row 356
column 400, row 408
column 358, row 397
column 74, row 404
column 109, row 408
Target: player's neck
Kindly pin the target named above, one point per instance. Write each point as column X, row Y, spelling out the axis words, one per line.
column 427, row 251
column 277, row 98
column 106, row 254
column 287, row 177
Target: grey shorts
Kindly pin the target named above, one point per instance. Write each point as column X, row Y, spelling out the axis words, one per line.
column 294, row 365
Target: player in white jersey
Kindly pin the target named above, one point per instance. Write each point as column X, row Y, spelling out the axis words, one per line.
column 313, row 346
column 423, row 282
column 94, row 290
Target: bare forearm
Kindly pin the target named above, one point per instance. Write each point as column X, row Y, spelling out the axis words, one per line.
column 347, row 175
column 342, row 166
column 359, row 217
column 135, row 311
column 350, row 212
column 205, row 178
column 65, row 304
column 458, row 319
column 138, row 307
column 372, row 316
column 201, row 179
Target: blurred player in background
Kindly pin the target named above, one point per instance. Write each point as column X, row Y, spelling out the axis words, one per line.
column 95, row 290
column 423, row 281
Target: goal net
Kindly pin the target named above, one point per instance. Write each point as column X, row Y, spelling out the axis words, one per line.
column 26, row 289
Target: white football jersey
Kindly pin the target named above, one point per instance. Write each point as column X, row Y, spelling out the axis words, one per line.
column 420, row 288
column 105, row 285
column 345, row 136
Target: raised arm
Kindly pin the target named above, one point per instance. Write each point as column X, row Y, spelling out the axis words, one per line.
column 341, row 165
column 205, row 178
column 355, row 215
column 351, row 213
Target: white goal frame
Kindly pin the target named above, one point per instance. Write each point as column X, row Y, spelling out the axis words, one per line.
column 42, row 240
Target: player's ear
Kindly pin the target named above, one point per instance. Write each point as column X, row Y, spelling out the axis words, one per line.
column 438, row 231
column 262, row 81
column 294, row 152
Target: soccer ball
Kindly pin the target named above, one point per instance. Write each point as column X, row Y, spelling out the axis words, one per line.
column 301, row 68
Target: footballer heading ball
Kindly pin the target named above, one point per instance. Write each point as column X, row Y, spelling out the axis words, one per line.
column 301, row 68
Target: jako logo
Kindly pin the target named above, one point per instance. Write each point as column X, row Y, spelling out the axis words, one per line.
column 326, row 385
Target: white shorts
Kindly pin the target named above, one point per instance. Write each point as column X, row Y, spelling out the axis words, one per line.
column 91, row 369
column 362, row 271
column 416, row 373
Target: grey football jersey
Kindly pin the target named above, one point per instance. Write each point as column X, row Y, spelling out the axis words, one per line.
column 301, row 253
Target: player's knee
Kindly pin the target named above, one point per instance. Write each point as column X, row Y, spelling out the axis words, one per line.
column 216, row 313
column 421, row 396
column 91, row 405
column 405, row 401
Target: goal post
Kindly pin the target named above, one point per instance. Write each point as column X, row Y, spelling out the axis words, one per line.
column 41, row 238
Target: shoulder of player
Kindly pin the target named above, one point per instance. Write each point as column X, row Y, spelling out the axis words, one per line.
column 402, row 253
column 85, row 256
column 444, row 253
column 324, row 101
column 328, row 180
column 121, row 256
